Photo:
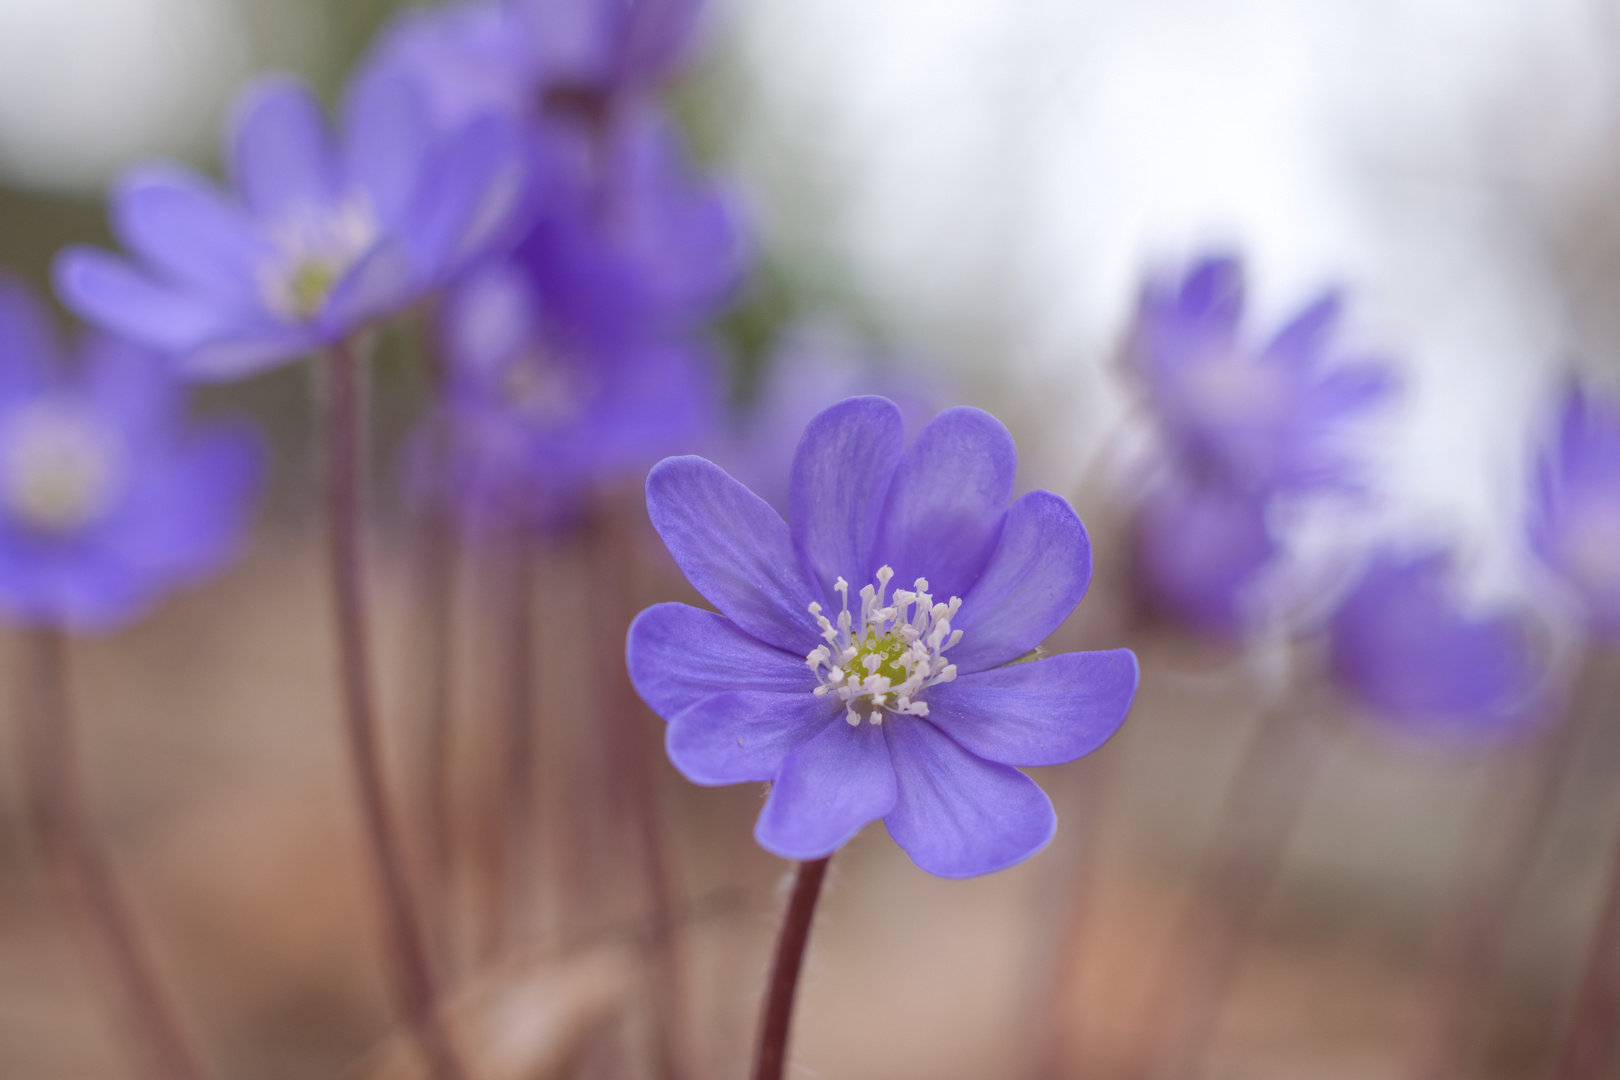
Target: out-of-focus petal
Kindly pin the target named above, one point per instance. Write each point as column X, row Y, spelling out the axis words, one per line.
column 1045, row 712
column 735, row 551
column 183, row 225
column 106, row 290
column 679, row 655
column 1036, row 576
column 386, row 138
column 958, row 815
column 828, row 789
column 840, row 479
column 281, row 155
column 947, row 502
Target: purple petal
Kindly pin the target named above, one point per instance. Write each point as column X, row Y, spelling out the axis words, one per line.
column 248, row 352
column 958, row 815
column 281, row 154
column 829, row 789
column 380, row 284
column 1045, row 712
column 471, row 199
column 735, row 551
column 386, row 136
column 181, row 224
column 27, row 339
column 745, row 735
column 1213, row 293
column 1304, row 340
column 679, row 655
column 947, row 503
column 840, row 477
column 108, row 291
column 1036, row 576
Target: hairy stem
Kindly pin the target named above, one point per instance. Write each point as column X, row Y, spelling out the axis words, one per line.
column 412, row 974
column 777, row 1018
column 71, row 846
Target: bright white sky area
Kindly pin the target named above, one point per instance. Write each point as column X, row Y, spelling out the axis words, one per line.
column 996, row 174
column 991, row 177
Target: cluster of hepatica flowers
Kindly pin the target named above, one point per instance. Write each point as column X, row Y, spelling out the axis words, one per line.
column 1247, row 428
column 506, row 170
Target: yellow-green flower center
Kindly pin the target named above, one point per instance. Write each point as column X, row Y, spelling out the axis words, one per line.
column 59, row 470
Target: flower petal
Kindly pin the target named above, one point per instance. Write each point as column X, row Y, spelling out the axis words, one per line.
column 678, row 655
column 745, row 734
column 386, row 136
column 840, row 478
column 735, row 551
column 106, row 290
column 1037, row 574
column 180, row 223
column 1045, row 712
column 281, row 154
column 948, row 501
column 828, row 790
column 959, row 815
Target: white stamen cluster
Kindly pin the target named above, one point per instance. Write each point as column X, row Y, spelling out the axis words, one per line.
column 314, row 249
column 888, row 654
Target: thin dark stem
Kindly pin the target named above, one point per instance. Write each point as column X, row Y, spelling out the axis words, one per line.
column 1276, row 772
column 438, row 584
column 1591, row 1045
column 1507, row 838
column 407, row 949
column 70, row 844
column 778, row 1015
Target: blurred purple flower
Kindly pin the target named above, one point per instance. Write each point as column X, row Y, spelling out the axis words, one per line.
column 321, row 237
column 1199, row 550
column 902, row 708
column 1575, row 510
column 567, row 60
column 538, row 412
column 1401, row 642
column 811, row 369
column 1248, row 416
column 106, row 501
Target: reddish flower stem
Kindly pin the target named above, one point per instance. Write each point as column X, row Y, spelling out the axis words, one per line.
column 412, row 974
column 1277, row 771
column 69, row 842
column 515, row 849
column 778, row 1014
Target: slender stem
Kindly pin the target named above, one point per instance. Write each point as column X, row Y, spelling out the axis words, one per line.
column 438, row 584
column 778, row 1014
column 1276, row 773
column 407, row 949
column 514, row 853
column 70, row 844
column 1506, row 839
column 1591, row 1043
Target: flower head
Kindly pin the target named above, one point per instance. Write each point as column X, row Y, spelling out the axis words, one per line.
column 1575, row 513
column 1405, row 646
column 538, row 412
column 859, row 701
column 106, row 502
column 1261, row 417
column 321, row 236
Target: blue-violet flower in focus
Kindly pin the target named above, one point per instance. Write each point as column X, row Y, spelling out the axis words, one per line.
column 322, row 235
column 107, row 500
column 1403, row 644
column 1575, row 510
column 863, row 657
column 1247, row 415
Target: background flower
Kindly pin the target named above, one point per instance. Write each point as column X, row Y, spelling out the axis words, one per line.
column 1575, row 506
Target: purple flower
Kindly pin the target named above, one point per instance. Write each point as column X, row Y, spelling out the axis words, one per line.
column 815, row 367
column 1575, row 510
column 106, row 502
column 1402, row 643
column 321, row 236
column 1200, row 549
column 1261, row 417
column 539, row 412
column 610, row 47
column 858, row 701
